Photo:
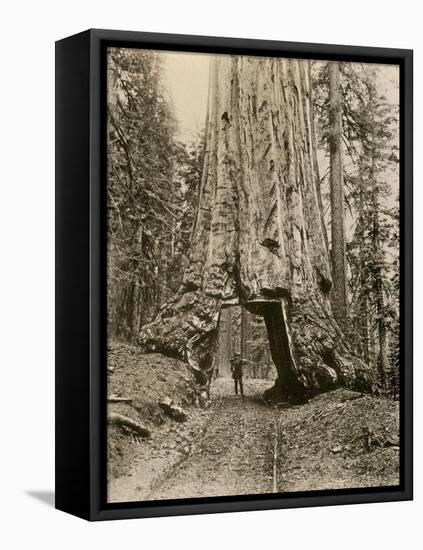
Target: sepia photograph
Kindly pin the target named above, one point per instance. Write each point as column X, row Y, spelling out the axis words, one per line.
column 209, row 249
column 253, row 275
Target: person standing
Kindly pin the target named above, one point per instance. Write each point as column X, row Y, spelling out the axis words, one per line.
column 236, row 369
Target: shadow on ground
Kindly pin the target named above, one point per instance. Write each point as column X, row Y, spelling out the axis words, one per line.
column 46, row 497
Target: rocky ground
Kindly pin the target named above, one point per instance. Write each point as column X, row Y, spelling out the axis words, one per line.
column 240, row 446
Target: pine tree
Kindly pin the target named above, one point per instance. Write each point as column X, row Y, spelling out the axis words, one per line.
column 143, row 200
column 369, row 136
column 337, row 201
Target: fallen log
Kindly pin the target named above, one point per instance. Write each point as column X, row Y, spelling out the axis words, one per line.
column 124, row 421
column 116, row 399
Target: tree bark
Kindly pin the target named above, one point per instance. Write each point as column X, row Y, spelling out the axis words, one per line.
column 364, row 329
column 363, row 299
column 226, row 341
column 383, row 361
column 338, row 256
column 258, row 238
column 244, row 333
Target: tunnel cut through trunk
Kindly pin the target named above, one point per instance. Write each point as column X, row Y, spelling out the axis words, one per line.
column 274, row 314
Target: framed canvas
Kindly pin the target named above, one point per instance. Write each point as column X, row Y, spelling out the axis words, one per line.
column 233, row 274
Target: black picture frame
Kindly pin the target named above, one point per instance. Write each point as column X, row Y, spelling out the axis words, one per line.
column 81, row 273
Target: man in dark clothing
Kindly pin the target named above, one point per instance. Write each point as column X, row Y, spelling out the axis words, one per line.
column 236, row 370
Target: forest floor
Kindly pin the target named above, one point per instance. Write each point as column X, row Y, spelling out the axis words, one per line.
column 241, row 446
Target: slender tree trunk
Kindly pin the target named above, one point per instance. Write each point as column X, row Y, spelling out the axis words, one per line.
column 338, row 256
column 380, row 300
column 258, row 238
column 245, row 321
column 224, row 345
column 227, row 335
column 364, row 329
column 383, row 362
column 363, row 306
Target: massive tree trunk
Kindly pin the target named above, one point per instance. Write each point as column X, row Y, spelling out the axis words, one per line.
column 339, row 290
column 258, row 238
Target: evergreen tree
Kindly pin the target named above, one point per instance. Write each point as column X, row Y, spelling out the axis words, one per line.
column 369, row 134
column 143, row 199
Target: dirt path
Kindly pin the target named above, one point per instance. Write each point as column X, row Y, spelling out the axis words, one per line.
column 224, row 450
column 228, row 448
column 235, row 455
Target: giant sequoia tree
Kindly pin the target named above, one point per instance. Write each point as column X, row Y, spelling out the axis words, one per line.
column 258, row 237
